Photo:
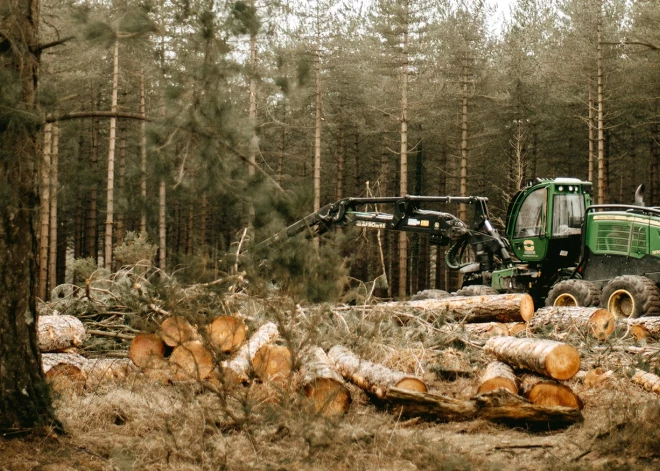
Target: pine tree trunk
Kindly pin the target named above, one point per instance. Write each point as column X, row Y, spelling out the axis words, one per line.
column 339, row 193
column 143, row 157
column 44, row 216
column 162, row 225
column 252, row 110
column 90, row 217
column 403, row 180
column 317, row 134
column 590, row 124
column 54, row 186
column 601, row 104
column 25, row 401
column 119, row 233
column 462, row 211
column 204, row 220
column 356, row 164
column 109, row 217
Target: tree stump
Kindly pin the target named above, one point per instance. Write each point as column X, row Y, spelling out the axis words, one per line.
column 547, row 357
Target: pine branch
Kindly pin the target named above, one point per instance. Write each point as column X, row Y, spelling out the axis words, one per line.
column 95, row 114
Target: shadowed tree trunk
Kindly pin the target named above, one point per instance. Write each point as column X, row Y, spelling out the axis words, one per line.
column 44, row 217
column 52, row 238
column 24, row 396
column 110, row 202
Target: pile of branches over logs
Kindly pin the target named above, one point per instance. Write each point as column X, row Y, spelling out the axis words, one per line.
column 523, row 384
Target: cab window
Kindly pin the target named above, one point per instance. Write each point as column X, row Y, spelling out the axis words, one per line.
column 568, row 214
column 531, row 217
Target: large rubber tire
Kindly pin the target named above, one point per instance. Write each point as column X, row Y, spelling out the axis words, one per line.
column 574, row 293
column 631, row 296
column 430, row 294
column 476, row 290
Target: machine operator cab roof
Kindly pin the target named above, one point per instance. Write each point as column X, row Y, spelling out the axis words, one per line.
column 544, row 219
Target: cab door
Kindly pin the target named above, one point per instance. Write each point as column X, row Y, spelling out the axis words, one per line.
column 529, row 232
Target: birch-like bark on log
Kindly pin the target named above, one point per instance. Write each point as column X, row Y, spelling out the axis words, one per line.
column 498, row 375
column 547, row 357
column 323, row 384
column 372, row 377
column 59, row 332
column 238, row 367
column 648, row 381
column 643, row 327
column 597, row 322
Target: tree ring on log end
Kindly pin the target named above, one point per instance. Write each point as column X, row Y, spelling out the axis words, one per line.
column 563, row 362
column 412, row 384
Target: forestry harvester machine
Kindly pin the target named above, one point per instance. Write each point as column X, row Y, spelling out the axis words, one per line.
column 557, row 246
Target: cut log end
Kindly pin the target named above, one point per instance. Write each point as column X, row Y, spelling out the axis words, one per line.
column 272, row 362
column 146, row 350
column 176, row 331
column 191, row 360
column 328, row 397
column 602, row 323
column 553, row 394
column 412, row 384
column 497, row 383
column 526, row 307
column 227, row 333
column 563, row 362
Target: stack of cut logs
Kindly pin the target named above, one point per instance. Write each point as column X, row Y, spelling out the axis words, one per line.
column 181, row 351
column 58, row 337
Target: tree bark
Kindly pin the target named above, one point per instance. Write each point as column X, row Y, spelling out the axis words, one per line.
column 547, row 357
column 119, row 233
column 498, row 375
column 462, row 211
column 110, row 190
column 54, row 186
column 601, row 103
column 403, row 180
column 44, row 217
column 648, row 381
column 643, row 327
column 323, row 384
column 317, row 131
column 511, row 307
column 57, row 333
column 25, row 403
column 238, row 367
column 162, row 225
column 373, row 378
column 143, row 157
column 597, row 322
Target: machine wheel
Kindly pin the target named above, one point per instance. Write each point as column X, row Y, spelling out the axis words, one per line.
column 631, row 296
column 476, row 290
column 573, row 293
column 430, row 294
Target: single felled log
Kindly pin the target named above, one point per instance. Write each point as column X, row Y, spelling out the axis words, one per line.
column 57, row 333
column 372, row 377
column 643, row 327
column 544, row 392
column 191, row 360
column 238, row 367
column 434, row 407
column 97, row 369
column 226, row 333
column 597, row 322
column 323, row 384
column 648, row 381
column 547, row 357
column 485, row 329
column 63, row 376
column 49, row 360
column 146, row 349
column 272, row 362
column 176, row 330
column 498, row 375
column 514, row 307
column 499, row 406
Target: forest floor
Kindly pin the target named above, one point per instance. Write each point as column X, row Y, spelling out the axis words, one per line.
column 138, row 423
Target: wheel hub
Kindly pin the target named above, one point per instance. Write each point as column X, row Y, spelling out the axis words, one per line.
column 621, row 303
column 565, row 300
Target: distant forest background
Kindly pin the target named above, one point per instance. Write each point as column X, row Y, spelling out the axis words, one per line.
column 185, row 131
